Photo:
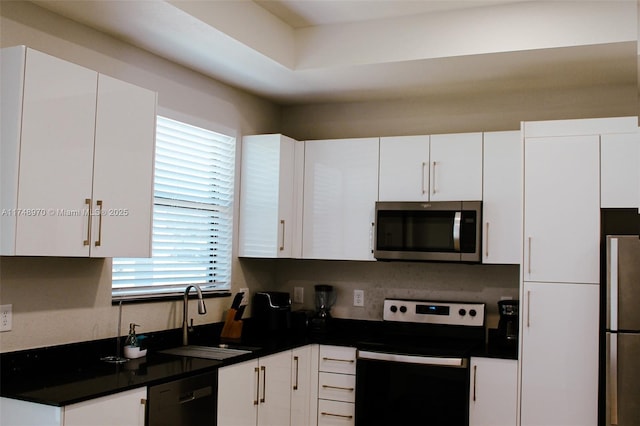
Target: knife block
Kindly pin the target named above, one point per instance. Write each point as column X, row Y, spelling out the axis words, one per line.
column 232, row 329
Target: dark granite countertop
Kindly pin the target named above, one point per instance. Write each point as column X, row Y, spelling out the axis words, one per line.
column 68, row 374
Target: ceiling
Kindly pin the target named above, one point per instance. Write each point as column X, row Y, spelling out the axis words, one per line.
column 312, row 51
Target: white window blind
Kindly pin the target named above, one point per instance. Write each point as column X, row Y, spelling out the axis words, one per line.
column 192, row 218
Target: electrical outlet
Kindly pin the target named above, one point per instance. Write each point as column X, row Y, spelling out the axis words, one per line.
column 245, row 296
column 358, row 297
column 6, row 317
column 298, row 295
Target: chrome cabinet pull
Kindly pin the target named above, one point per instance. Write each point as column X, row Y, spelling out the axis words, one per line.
column 338, row 359
column 338, row 388
column 264, row 384
column 282, row 245
column 87, row 242
column 99, row 240
column 529, row 257
column 424, row 166
column 475, row 379
column 296, row 361
column 372, row 236
column 324, row 413
column 528, row 308
column 257, row 371
column 486, row 242
column 434, row 177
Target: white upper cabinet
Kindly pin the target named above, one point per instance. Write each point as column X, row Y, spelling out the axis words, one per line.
column 77, row 163
column 620, row 174
column 456, row 167
column 340, row 191
column 502, row 198
column 404, row 168
column 271, row 197
column 431, row 168
column 123, row 170
column 562, row 209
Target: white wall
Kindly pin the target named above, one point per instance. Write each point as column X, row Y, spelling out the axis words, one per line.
column 64, row 300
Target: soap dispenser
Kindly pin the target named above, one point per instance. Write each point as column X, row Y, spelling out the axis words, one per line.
column 131, row 347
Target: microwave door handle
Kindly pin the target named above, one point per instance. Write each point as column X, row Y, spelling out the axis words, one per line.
column 456, row 230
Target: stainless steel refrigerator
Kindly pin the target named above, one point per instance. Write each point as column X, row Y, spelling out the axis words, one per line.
column 623, row 331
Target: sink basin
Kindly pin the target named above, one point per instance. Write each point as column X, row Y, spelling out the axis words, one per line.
column 208, row 352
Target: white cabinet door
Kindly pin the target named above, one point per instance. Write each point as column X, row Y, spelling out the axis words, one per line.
column 238, row 394
column 274, row 407
column 55, row 158
column 404, row 168
column 123, row 170
column 456, row 167
column 562, row 209
column 559, row 354
column 256, row 392
column 268, row 215
column 502, row 198
column 620, row 170
column 304, row 386
column 340, row 191
column 77, row 163
column 493, row 393
column 122, row 409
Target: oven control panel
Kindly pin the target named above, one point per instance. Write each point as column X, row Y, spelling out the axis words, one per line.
column 431, row 312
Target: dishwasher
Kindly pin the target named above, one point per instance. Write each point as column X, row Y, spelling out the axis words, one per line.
column 191, row 401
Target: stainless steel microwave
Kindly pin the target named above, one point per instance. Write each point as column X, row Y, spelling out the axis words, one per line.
column 439, row 231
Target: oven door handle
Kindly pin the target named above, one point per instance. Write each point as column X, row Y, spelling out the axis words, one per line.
column 414, row 359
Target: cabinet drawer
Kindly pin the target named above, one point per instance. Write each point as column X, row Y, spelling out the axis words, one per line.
column 337, row 387
column 335, row 413
column 337, row 359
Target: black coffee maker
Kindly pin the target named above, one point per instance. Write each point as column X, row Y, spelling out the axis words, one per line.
column 508, row 324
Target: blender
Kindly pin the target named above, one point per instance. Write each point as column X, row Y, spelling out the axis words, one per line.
column 325, row 299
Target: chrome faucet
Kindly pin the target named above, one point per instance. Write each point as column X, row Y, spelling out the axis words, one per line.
column 202, row 309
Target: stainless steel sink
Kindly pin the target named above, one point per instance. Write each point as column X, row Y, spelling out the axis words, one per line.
column 208, row 352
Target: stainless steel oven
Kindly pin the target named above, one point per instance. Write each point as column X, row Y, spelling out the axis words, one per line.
column 418, row 373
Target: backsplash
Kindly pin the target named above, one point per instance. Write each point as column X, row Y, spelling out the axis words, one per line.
column 380, row 280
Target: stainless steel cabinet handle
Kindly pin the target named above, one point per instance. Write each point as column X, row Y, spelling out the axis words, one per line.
column 528, row 308
column 282, row 245
column 99, row 240
column 264, row 384
column 475, row 378
column 339, row 360
column 424, row 166
column 486, row 241
column 613, row 378
column 87, row 242
column 529, row 258
column 296, row 361
column 324, row 413
column 434, row 176
column 257, row 371
column 372, row 236
column 338, row 388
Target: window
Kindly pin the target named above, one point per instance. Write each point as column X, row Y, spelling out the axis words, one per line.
column 192, row 218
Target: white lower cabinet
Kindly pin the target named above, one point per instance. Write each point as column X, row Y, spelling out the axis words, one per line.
column 122, row 409
column 336, row 385
column 304, row 386
column 493, row 392
column 559, row 356
column 275, row 390
column 256, row 392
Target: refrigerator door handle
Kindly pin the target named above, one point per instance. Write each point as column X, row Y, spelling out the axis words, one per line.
column 613, row 284
column 613, row 378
